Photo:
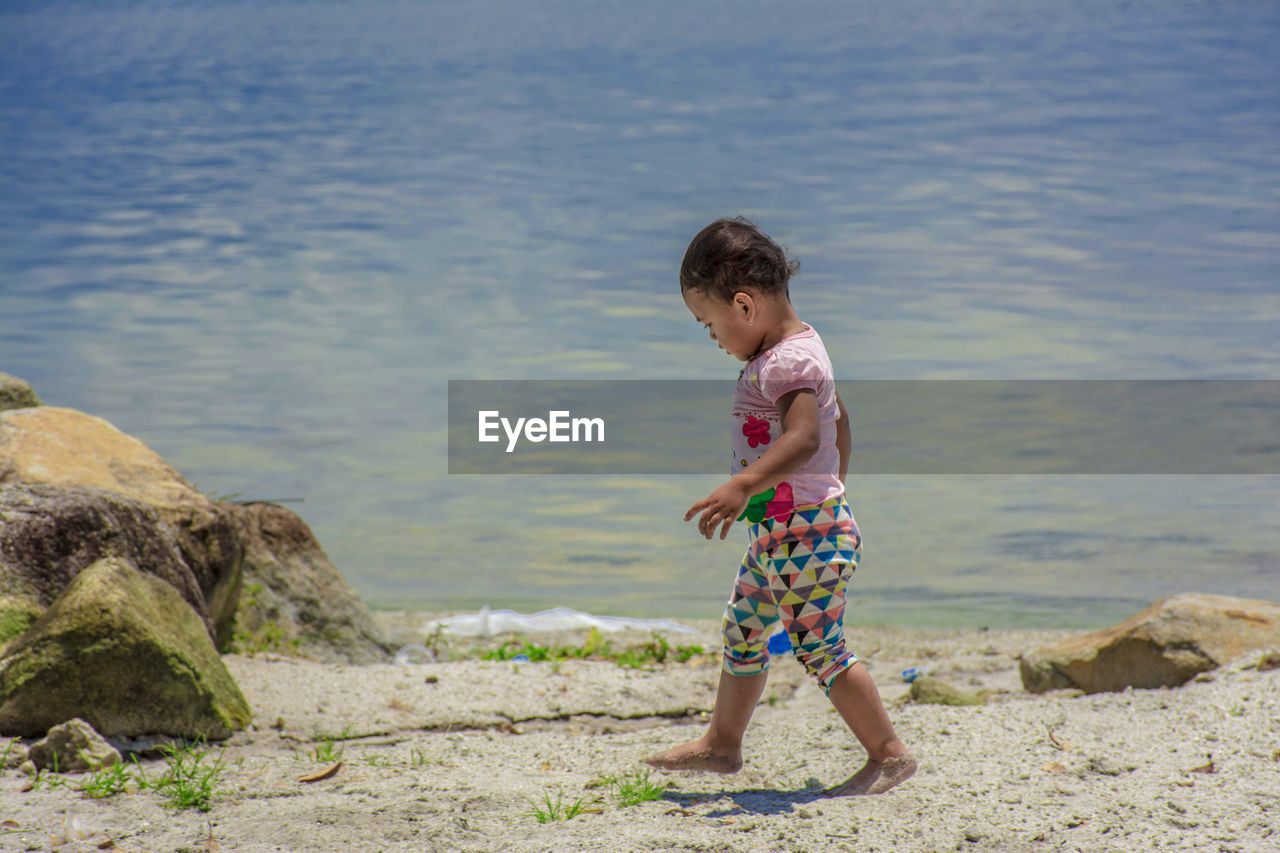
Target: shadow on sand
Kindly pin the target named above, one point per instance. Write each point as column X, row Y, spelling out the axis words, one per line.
column 762, row 801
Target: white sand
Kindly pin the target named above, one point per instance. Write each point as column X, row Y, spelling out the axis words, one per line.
column 454, row 765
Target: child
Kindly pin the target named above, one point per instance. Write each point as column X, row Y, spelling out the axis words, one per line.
column 790, row 456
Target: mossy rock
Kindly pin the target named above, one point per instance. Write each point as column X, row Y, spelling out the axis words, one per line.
column 122, row 650
column 16, row 616
column 294, row 600
column 62, row 454
column 16, row 394
column 931, row 691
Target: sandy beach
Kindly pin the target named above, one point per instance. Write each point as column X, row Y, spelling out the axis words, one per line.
column 461, row 755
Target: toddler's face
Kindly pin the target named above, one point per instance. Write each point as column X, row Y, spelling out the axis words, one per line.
column 726, row 322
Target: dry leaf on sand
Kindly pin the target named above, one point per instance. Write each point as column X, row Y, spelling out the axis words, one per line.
column 321, row 774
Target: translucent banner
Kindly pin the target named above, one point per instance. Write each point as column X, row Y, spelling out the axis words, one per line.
column 898, row 426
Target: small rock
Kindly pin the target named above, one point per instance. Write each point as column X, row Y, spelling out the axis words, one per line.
column 931, row 691
column 973, row 836
column 16, row 394
column 1270, row 661
column 1108, row 767
column 73, row 747
column 145, row 746
column 28, row 768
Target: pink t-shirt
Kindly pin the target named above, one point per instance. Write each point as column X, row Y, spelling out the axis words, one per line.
column 798, row 361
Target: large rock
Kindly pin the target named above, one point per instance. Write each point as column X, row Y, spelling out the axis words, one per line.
column 1165, row 645
column 297, row 600
column 48, row 534
column 17, row 612
column 123, row 651
column 16, row 394
column 294, row 599
column 67, row 448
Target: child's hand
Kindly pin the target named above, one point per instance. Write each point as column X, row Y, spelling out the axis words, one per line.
column 724, row 504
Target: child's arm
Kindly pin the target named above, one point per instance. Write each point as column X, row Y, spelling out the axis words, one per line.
column 800, row 438
column 844, row 440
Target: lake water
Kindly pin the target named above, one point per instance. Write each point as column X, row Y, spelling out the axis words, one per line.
column 263, row 236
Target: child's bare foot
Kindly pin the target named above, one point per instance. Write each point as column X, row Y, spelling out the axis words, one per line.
column 697, row 755
column 876, row 777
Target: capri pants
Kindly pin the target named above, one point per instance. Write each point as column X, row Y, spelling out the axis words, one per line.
column 795, row 569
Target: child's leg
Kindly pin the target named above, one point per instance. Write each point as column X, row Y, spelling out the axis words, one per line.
column 720, row 749
column 820, row 648
column 747, row 618
column 856, row 698
column 816, row 575
column 853, row 693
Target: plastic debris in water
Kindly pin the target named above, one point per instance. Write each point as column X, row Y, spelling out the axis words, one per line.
column 414, row 654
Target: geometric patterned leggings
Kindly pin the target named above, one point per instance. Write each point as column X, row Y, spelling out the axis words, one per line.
column 795, row 569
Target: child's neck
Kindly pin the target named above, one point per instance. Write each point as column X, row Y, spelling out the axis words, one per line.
column 782, row 323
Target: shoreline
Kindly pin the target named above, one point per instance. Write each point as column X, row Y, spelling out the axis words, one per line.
column 462, row 755
column 934, row 617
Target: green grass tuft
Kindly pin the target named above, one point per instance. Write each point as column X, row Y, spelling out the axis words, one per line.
column 553, row 810
column 269, row 638
column 106, row 781
column 47, row 781
column 656, row 651
column 189, row 782
column 633, row 788
column 324, row 753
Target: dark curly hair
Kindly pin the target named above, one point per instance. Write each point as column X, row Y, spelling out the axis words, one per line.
column 731, row 255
